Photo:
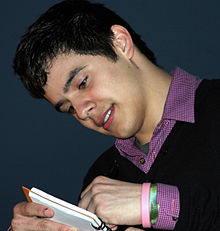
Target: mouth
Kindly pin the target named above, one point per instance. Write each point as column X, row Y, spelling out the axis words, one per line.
column 108, row 118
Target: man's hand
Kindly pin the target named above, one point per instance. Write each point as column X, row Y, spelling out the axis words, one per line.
column 115, row 202
column 28, row 217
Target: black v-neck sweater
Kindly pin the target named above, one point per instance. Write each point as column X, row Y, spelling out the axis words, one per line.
column 188, row 159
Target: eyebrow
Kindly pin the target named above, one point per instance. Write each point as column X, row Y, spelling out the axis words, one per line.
column 72, row 75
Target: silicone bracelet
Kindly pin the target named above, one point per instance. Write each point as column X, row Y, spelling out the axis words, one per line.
column 145, row 205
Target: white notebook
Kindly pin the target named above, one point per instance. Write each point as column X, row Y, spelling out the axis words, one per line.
column 65, row 212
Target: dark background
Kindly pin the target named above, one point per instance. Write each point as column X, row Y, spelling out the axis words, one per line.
column 48, row 150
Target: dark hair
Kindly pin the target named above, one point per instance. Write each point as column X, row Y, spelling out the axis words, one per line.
column 69, row 26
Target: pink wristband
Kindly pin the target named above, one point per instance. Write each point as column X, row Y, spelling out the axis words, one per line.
column 145, row 205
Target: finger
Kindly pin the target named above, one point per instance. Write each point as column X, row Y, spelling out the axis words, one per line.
column 85, row 200
column 31, row 209
column 91, row 199
column 112, row 227
column 93, row 204
column 38, row 224
column 133, row 229
column 97, row 180
column 52, row 226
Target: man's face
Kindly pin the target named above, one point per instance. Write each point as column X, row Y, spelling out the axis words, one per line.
column 102, row 95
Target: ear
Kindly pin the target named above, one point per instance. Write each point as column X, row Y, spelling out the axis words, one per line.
column 122, row 41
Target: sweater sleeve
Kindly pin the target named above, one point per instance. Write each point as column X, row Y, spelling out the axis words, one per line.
column 200, row 208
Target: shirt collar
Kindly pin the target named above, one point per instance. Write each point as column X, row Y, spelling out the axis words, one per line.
column 181, row 96
column 180, row 100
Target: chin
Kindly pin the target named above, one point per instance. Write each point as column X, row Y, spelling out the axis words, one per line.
column 125, row 133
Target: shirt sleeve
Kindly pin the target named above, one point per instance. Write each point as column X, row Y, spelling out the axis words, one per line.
column 169, row 206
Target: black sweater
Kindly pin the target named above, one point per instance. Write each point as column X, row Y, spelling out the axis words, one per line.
column 189, row 159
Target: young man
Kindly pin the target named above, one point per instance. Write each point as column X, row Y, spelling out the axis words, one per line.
column 162, row 172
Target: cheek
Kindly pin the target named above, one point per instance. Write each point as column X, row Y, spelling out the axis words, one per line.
column 100, row 93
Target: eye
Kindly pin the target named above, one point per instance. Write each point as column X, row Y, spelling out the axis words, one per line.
column 83, row 83
column 71, row 110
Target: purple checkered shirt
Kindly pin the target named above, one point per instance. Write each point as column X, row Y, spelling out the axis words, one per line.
column 179, row 106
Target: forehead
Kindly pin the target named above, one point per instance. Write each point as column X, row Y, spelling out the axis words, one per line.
column 60, row 64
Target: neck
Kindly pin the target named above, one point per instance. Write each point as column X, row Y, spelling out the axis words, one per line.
column 156, row 83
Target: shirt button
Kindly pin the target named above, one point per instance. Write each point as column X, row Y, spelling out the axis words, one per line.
column 142, row 160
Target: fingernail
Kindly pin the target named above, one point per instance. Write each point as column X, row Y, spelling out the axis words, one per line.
column 48, row 212
column 73, row 229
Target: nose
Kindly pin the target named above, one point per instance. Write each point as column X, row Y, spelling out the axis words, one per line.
column 83, row 108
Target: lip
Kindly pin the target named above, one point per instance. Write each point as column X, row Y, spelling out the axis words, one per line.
column 108, row 123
